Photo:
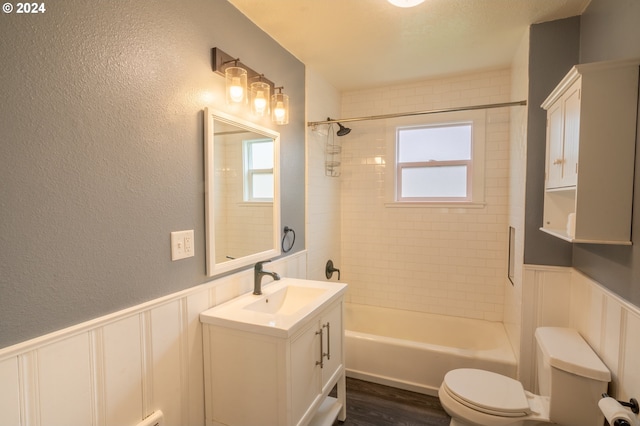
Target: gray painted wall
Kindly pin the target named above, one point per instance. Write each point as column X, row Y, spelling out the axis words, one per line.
column 101, row 151
column 607, row 31
column 553, row 50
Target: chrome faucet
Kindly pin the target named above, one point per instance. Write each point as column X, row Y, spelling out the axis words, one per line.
column 258, row 273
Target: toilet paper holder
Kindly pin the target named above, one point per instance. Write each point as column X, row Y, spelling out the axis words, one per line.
column 632, row 404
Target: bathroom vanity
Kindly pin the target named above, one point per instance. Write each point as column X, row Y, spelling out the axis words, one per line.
column 273, row 359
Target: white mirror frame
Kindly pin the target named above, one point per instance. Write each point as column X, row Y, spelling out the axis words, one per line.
column 212, row 267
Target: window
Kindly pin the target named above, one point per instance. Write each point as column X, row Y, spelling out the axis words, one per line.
column 258, row 170
column 440, row 161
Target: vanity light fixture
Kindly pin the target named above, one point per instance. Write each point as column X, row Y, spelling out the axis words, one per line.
column 259, row 92
column 280, row 107
column 405, row 3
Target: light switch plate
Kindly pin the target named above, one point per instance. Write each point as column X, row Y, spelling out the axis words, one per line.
column 181, row 244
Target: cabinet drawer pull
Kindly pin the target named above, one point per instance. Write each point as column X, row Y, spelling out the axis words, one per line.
column 558, row 161
column 321, row 362
column 328, row 325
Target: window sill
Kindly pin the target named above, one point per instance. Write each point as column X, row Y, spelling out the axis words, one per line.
column 255, row 203
column 436, row 204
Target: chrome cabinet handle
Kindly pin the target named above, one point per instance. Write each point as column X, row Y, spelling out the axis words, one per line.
column 328, row 354
column 321, row 362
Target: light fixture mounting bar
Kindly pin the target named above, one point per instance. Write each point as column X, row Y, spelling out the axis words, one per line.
column 221, row 60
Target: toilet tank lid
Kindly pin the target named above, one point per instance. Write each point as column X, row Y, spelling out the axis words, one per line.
column 568, row 351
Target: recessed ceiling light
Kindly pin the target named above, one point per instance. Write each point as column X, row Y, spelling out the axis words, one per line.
column 405, row 3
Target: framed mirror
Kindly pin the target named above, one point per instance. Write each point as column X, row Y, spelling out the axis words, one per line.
column 242, row 192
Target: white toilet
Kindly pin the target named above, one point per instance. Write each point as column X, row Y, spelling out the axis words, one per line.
column 571, row 380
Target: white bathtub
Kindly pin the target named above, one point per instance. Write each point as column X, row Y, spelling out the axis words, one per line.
column 413, row 350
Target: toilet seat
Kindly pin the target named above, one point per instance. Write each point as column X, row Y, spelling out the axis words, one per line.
column 487, row 392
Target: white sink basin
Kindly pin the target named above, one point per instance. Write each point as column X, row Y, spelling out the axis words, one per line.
column 278, row 311
column 287, row 300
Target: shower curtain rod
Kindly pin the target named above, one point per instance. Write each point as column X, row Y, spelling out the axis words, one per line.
column 409, row 114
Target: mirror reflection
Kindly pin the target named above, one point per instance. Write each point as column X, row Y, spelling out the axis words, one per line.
column 242, row 192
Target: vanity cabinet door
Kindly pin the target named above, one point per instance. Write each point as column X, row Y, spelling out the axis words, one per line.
column 333, row 335
column 554, row 146
column 305, row 377
column 316, row 359
column 571, row 101
column 563, row 134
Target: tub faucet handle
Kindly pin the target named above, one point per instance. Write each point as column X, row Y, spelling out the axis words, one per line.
column 329, row 270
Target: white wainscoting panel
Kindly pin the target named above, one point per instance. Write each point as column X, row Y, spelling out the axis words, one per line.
column 9, row 392
column 588, row 309
column 123, row 371
column 118, row 369
column 629, row 370
column 167, row 326
column 29, row 388
column 194, row 395
column 64, row 374
column 546, row 293
column 610, row 324
column 610, row 333
column 553, row 297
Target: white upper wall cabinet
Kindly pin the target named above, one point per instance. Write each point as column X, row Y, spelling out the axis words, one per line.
column 591, row 137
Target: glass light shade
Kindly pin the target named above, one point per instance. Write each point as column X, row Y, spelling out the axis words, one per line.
column 260, row 95
column 280, row 108
column 236, row 80
column 405, row 3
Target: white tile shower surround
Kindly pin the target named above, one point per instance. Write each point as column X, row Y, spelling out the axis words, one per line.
column 118, row 369
column 438, row 260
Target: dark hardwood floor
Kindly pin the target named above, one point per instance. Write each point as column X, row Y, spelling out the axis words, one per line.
column 378, row 405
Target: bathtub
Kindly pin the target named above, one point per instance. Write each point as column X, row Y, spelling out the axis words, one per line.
column 414, row 350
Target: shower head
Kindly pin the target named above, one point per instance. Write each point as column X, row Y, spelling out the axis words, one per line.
column 342, row 130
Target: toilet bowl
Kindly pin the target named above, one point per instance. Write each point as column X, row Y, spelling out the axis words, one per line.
column 571, row 380
column 479, row 398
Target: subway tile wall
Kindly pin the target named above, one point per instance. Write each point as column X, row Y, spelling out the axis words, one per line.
column 431, row 259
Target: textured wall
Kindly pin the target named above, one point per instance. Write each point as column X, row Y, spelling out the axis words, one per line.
column 101, row 151
column 553, row 50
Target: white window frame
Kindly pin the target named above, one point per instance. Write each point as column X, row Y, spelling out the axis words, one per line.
column 249, row 172
column 475, row 167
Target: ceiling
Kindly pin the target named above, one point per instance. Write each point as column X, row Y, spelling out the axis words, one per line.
column 365, row 43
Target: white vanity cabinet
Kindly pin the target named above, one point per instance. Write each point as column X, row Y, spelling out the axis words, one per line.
column 252, row 378
column 591, row 138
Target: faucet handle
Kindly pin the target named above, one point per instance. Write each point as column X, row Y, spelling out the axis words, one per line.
column 258, row 265
column 329, row 270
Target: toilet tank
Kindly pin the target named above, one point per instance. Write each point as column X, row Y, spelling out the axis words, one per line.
column 571, row 375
